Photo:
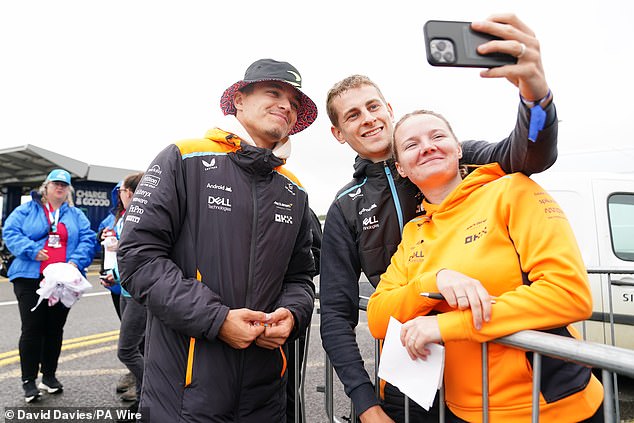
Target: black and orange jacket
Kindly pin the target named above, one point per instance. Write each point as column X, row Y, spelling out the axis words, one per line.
column 215, row 225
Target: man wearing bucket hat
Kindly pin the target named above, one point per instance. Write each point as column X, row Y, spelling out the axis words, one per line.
column 216, row 244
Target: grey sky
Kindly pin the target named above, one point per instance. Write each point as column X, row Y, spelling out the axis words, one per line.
column 113, row 83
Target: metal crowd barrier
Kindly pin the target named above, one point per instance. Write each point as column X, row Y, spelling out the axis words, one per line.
column 611, row 359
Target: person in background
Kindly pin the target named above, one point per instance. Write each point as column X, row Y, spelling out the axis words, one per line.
column 105, row 230
column 46, row 230
column 364, row 223
column 133, row 314
column 126, row 383
column 217, row 246
column 470, row 227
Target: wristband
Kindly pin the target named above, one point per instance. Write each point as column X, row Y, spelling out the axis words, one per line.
column 540, row 102
column 538, row 115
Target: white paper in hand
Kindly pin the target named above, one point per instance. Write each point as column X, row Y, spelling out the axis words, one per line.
column 418, row 379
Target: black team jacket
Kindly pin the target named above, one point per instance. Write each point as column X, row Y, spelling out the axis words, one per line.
column 215, row 225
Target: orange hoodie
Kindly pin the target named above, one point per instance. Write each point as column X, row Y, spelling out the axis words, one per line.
column 508, row 233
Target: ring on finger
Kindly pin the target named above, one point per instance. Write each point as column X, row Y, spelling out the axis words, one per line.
column 411, row 341
column 522, row 50
column 461, row 296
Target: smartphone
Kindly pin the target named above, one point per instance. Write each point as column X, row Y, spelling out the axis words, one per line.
column 451, row 43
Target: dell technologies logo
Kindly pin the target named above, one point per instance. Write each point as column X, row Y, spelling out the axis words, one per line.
column 218, row 203
column 370, row 223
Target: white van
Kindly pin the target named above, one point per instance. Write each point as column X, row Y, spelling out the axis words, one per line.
column 600, row 208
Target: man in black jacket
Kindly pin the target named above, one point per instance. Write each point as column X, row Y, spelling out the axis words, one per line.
column 364, row 223
column 217, row 245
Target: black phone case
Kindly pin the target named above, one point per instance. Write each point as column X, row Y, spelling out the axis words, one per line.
column 464, row 41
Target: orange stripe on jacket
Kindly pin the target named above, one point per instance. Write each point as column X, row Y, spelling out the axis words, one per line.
column 209, row 144
column 192, row 346
column 283, row 362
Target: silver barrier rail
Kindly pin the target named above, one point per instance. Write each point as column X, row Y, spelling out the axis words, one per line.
column 611, row 359
column 626, row 281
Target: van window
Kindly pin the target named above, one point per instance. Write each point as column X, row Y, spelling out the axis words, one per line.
column 621, row 216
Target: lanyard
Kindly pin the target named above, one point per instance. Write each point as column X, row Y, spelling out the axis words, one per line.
column 53, row 219
column 119, row 225
column 397, row 202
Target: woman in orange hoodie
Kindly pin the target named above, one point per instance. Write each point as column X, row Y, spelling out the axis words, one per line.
column 489, row 236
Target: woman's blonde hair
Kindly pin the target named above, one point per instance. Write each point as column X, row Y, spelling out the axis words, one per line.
column 69, row 198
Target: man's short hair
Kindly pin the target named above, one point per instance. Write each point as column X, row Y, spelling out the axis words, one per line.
column 353, row 81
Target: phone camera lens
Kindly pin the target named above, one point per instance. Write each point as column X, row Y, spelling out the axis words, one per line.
column 437, row 56
column 441, row 45
column 448, row 56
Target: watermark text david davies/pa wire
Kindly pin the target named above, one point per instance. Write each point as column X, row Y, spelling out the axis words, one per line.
column 70, row 414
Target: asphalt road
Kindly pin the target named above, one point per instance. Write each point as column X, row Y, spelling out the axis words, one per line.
column 89, row 368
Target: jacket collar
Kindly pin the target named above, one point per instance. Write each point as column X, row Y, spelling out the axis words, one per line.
column 252, row 159
column 364, row 167
column 476, row 179
column 232, row 125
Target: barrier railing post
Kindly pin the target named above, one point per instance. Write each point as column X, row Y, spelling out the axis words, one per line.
column 615, row 382
column 441, row 404
column 377, row 359
column 328, row 394
column 537, row 384
column 296, row 380
column 406, row 405
column 608, row 397
column 302, row 382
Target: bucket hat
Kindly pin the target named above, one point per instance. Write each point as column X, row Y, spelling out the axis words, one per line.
column 272, row 70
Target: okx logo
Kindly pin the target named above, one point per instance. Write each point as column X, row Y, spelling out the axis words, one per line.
column 282, row 218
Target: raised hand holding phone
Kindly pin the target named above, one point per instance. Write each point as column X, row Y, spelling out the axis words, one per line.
column 452, row 43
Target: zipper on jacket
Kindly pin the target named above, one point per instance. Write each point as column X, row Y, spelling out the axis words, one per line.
column 397, row 202
column 254, row 233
